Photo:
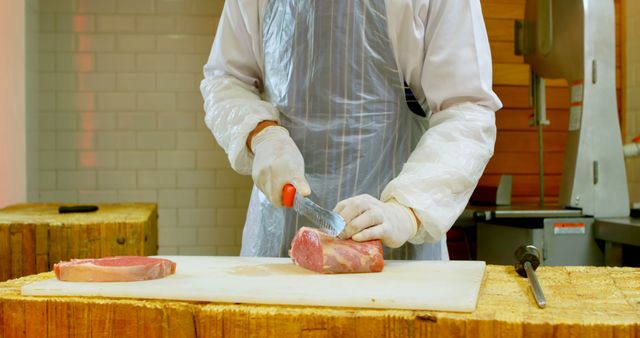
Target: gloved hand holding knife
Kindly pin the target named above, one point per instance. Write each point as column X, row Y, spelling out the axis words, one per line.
column 277, row 161
column 278, row 171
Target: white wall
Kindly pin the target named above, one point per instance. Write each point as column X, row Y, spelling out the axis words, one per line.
column 13, row 158
column 631, row 58
column 121, row 117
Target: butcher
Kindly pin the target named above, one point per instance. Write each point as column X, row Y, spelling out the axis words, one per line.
column 312, row 93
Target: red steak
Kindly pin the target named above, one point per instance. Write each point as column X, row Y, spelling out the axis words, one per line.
column 314, row 250
column 114, row 269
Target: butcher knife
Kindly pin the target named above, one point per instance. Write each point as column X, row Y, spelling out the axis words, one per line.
column 327, row 221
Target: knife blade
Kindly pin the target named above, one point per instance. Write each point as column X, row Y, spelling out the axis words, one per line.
column 325, row 220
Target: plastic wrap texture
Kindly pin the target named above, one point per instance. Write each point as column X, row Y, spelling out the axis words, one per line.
column 444, row 169
column 332, row 72
column 230, row 117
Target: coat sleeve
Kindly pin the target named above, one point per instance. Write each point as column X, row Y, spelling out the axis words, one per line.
column 232, row 78
column 456, row 79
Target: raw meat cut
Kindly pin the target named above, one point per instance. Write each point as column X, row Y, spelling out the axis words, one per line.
column 314, row 250
column 114, row 269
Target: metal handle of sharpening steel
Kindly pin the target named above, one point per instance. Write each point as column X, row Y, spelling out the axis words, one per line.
column 535, row 285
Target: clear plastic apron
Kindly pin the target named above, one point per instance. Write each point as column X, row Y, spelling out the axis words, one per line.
column 329, row 68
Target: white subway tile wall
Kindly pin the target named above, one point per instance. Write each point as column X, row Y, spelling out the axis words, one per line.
column 121, row 117
column 632, row 87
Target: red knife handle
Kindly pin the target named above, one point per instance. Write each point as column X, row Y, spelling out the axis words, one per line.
column 288, row 195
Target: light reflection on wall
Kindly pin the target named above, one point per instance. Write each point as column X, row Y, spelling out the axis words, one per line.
column 87, row 135
column 88, row 159
column 87, row 139
column 83, row 62
column 80, row 23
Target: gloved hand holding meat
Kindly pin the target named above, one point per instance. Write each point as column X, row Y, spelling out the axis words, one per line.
column 368, row 218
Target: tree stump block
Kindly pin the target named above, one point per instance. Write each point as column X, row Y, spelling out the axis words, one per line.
column 581, row 302
column 33, row 237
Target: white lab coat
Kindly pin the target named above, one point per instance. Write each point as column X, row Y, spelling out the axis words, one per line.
column 442, row 51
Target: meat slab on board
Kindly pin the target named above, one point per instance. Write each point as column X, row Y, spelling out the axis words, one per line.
column 314, row 250
column 114, row 269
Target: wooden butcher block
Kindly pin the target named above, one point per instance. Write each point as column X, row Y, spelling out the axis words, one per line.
column 414, row 285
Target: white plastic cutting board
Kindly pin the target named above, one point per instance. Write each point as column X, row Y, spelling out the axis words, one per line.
column 416, row 285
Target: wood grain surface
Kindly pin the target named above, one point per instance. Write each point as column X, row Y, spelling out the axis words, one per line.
column 582, row 302
column 33, row 237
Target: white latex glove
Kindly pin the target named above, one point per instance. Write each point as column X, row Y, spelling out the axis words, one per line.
column 277, row 161
column 368, row 218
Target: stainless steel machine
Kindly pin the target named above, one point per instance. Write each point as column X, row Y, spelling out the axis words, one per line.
column 572, row 40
